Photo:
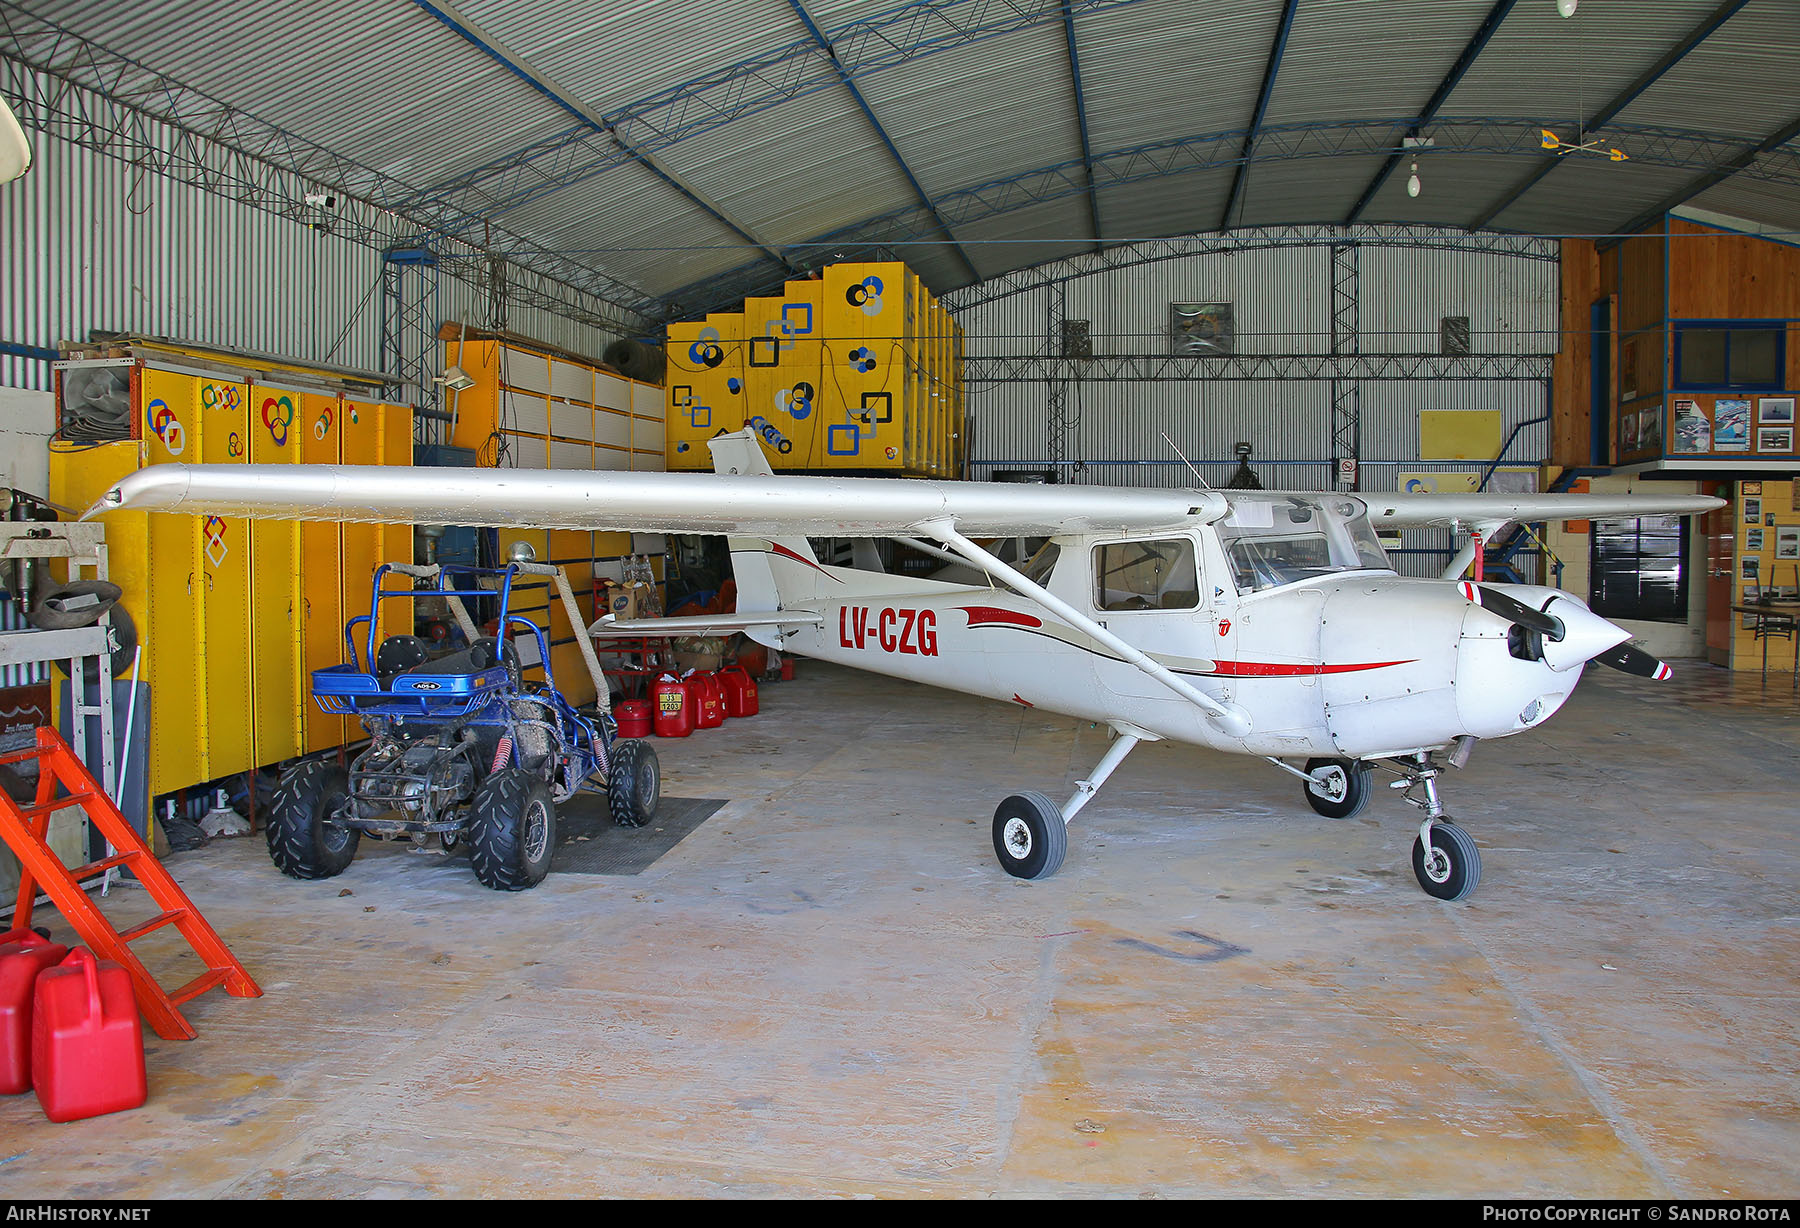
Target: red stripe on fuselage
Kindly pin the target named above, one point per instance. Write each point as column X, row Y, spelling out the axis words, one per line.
column 987, row 615
column 1269, row 669
column 784, row 552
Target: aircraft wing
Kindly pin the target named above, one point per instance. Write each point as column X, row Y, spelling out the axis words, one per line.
column 1398, row 511
column 717, row 503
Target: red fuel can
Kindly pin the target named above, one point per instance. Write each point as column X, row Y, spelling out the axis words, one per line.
column 87, row 1043
column 23, row 955
column 633, row 718
column 740, row 692
column 673, row 704
column 709, row 712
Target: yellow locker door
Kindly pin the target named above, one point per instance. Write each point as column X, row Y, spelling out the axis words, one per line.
column 278, row 690
column 321, row 580
column 364, row 545
column 170, row 622
column 573, row 551
column 396, row 540
column 224, row 568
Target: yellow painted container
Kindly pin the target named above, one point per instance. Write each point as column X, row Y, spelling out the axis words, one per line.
column 223, row 578
column 321, row 578
column 706, row 388
column 279, row 695
column 174, row 656
column 853, row 371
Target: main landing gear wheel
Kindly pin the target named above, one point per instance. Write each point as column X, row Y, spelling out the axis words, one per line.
column 1345, row 790
column 1451, row 868
column 303, row 841
column 1030, row 837
column 633, row 782
column 512, row 830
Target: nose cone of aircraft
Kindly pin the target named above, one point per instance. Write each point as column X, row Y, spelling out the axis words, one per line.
column 1585, row 635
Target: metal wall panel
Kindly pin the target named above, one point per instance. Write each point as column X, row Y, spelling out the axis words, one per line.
column 1283, row 305
column 93, row 244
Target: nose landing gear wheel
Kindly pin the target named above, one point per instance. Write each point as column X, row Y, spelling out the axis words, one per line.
column 1030, row 837
column 1451, row 868
column 1344, row 791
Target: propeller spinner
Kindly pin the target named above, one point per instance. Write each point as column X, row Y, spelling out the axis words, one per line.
column 1578, row 633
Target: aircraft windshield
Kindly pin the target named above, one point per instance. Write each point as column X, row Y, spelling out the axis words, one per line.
column 1276, row 539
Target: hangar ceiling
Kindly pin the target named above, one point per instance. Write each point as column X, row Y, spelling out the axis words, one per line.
column 670, row 157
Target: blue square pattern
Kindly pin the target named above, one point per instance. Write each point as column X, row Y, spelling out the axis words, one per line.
column 796, row 319
column 700, row 416
column 831, row 440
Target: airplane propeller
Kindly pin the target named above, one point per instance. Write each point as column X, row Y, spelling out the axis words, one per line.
column 1514, row 611
column 1635, row 661
column 1582, row 634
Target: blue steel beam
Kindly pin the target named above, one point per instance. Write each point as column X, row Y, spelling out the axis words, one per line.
column 1711, row 179
column 1625, row 98
column 1087, row 147
column 1439, row 96
column 872, row 44
column 881, row 133
column 516, row 65
column 1262, row 108
column 1488, row 136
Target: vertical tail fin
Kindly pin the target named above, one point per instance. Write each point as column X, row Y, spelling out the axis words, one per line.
column 770, row 572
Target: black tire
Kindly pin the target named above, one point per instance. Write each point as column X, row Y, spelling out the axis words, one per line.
column 1030, row 837
column 633, row 782
column 512, row 830
column 302, row 842
column 1455, row 865
column 1355, row 793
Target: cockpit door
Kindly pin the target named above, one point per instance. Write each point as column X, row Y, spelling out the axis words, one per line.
column 1152, row 593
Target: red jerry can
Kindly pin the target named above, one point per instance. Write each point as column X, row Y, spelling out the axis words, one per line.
column 633, row 718
column 674, row 707
column 23, row 954
column 709, row 710
column 740, row 692
column 87, row 1044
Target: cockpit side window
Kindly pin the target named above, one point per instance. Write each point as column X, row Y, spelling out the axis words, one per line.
column 1146, row 575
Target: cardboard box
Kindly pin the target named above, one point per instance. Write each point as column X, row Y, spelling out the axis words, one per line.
column 628, row 601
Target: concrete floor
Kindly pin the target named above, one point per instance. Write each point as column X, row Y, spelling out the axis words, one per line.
column 831, row 989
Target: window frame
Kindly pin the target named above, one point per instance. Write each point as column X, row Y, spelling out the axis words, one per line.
column 1682, row 328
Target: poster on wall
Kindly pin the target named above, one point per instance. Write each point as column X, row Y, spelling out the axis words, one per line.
column 1753, row 539
column 1753, row 509
column 1693, row 429
column 1775, row 439
column 1650, row 430
column 1787, row 541
column 1731, row 424
column 1774, row 411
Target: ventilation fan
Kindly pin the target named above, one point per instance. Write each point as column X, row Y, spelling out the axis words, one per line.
column 96, row 404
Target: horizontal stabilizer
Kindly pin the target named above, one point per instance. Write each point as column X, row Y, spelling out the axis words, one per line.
column 704, row 624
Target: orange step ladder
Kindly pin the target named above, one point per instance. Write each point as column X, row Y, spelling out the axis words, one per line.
column 25, row 827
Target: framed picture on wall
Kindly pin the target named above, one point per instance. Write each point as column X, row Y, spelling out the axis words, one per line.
column 1753, row 510
column 1731, row 424
column 1753, row 539
column 1775, row 439
column 1774, row 410
column 1693, row 429
column 1787, row 541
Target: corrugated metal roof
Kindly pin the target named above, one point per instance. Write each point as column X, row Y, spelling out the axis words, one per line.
column 498, row 108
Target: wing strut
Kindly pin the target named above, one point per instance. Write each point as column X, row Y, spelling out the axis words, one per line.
column 1229, row 719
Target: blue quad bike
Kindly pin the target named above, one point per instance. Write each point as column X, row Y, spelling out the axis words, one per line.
column 461, row 747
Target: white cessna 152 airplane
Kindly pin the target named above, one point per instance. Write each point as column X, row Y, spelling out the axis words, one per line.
column 1266, row 623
